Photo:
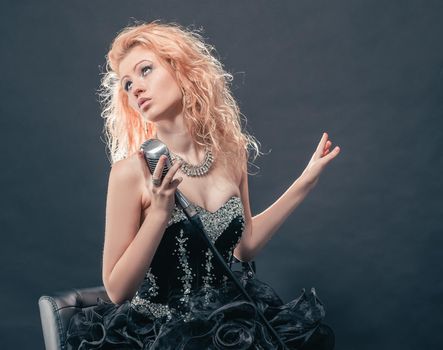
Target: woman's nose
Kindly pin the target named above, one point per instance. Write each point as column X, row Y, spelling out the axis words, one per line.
column 137, row 91
column 137, row 88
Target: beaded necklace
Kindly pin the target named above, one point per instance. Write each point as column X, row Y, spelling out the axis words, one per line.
column 195, row 170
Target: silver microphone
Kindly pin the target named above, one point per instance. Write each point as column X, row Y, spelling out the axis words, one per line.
column 153, row 149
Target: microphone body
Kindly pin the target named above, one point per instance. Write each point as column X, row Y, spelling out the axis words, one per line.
column 153, row 149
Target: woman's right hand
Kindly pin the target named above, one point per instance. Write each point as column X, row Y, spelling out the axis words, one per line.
column 163, row 196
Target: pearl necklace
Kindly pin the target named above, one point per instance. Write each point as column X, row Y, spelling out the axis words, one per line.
column 195, row 170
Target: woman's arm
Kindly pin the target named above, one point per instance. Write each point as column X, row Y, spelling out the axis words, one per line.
column 260, row 228
column 128, row 247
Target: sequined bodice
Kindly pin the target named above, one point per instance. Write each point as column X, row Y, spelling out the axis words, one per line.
column 182, row 263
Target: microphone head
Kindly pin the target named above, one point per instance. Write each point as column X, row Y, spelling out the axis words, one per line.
column 152, row 150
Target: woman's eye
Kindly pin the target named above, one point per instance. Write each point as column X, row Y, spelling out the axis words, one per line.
column 145, row 68
column 127, row 85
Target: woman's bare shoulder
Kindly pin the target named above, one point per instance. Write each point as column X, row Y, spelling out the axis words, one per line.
column 129, row 170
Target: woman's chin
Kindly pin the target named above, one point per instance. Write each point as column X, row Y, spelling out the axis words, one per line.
column 149, row 117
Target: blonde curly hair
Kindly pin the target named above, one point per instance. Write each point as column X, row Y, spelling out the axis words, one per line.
column 210, row 111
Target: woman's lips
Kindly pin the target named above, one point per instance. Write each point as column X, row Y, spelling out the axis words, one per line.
column 145, row 104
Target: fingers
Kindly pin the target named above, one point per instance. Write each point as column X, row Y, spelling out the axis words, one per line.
column 327, row 148
column 174, row 183
column 330, row 155
column 159, row 168
column 168, row 180
column 171, row 172
column 321, row 145
column 323, row 150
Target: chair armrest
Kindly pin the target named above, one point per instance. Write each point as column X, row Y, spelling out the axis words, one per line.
column 56, row 312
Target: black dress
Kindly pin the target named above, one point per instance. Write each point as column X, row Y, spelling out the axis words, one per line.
column 186, row 302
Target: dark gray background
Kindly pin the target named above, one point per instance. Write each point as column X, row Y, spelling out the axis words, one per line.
column 368, row 237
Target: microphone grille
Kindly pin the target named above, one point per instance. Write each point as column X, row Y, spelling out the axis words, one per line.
column 153, row 149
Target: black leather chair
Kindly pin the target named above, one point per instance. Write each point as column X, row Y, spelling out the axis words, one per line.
column 57, row 309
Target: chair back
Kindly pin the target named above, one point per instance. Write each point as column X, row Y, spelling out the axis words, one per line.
column 56, row 312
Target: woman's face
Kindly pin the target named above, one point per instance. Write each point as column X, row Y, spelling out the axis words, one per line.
column 151, row 88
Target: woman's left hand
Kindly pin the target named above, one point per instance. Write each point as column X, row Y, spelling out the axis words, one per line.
column 321, row 157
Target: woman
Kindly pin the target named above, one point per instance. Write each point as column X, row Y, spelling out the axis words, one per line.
column 167, row 291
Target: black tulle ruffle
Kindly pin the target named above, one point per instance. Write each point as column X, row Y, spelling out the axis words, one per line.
column 221, row 319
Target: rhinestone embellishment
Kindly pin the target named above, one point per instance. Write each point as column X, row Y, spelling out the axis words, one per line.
column 184, row 265
column 155, row 309
column 214, row 222
column 145, row 305
column 209, row 277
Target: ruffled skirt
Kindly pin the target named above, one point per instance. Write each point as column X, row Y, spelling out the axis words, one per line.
column 215, row 318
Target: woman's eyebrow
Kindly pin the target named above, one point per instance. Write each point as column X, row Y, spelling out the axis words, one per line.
column 135, row 66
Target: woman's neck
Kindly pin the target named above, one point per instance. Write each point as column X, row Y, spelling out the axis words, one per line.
column 176, row 137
